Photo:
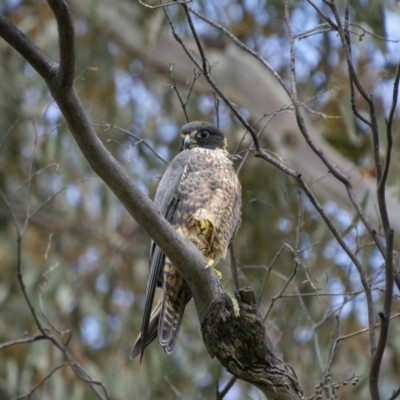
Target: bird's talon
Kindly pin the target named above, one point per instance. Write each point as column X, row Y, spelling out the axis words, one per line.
column 218, row 273
column 210, row 263
column 203, row 226
column 205, row 251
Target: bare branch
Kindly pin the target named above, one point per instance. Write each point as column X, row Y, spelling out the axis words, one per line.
column 9, row 129
column 395, row 394
column 274, row 298
column 323, row 15
column 164, row 5
column 389, row 270
column 15, row 38
column 365, row 32
column 385, row 319
column 41, row 382
column 221, row 394
column 173, row 86
column 140, row 140
column 389, row 137
column 348, row 336
column 346, row 43
column 66, row 69
column 28, row 339
column 316, row 30
column 32, row 175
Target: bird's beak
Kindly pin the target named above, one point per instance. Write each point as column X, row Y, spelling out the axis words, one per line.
column 187, row 142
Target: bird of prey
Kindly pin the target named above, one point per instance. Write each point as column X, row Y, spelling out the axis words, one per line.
column 200, row 196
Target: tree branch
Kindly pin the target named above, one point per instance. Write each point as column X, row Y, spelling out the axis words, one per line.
column 236, row 335
column 66, row 37
column 16, row 39
column 28, row 339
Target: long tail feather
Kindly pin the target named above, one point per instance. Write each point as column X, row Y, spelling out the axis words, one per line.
column 140, row 345
column 176, row 294
column 156, row 267
column 165, row 319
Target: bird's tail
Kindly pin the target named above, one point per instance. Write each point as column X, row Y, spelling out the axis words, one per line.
column 151, row 332
column 176, row 295
column 166, row 318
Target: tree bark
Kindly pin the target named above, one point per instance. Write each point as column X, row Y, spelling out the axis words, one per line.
column 236, row 335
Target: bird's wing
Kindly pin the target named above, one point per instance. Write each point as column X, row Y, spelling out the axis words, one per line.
column 166, row 202
column 169, row 183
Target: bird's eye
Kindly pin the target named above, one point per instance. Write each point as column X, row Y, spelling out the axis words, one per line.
column 202, row 135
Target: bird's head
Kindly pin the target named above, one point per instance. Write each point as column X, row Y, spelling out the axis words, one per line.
column 204, row 135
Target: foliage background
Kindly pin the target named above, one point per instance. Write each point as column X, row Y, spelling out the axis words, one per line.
column 95, row 255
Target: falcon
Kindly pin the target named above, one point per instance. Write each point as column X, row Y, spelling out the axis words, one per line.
column 200, row 196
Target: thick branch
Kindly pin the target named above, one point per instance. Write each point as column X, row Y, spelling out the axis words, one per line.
column 15, row 38
column 236, row 335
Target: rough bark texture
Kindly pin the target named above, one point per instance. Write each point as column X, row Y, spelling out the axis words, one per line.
column 236, row 335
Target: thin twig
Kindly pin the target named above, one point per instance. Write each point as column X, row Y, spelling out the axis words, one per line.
column 28, row 339
column 331, row 354
column 269, row 269
column 353, row 78
column 395, row 394
column 316, row 30
column 271, row 304
column 216, row 106
column 106, row 126
column 365, row 32
column 36, row 173
column 55, row 194
column 164, row 5
column 350, row 335
column 41, row 382
column 323, row 15
column 221, row 394
column 7, row 133
column 173, row 86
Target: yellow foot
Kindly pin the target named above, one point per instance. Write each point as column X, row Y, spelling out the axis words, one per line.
column 203, row 227
column 205, row 251
column 210, row 263
column 218, row 273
